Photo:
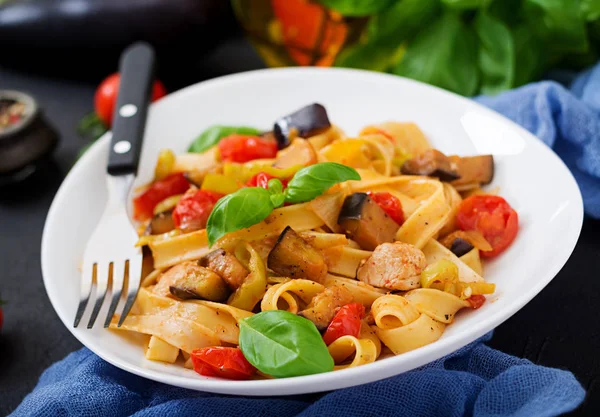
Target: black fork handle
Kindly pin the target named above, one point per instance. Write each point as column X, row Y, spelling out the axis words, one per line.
column 136, row 68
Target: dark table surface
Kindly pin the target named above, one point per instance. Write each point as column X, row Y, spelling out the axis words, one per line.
column 559, row 328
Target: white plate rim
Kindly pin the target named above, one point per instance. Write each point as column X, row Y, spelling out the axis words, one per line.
column 342, row 378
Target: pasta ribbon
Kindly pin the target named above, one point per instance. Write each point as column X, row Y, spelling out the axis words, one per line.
column 401, row 327
column 434, row 251
column 361, row 291
column 304, row 289
column 364, row 351
column 439, row 305
column 344, row 260
column 367, row 333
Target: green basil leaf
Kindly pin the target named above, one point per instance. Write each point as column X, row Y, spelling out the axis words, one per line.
column 282, row 344
column 530, row 60
column 401, row 21
column 465, row 4
column 496, row 54
column 211, row 136
column 275, row 188
column 559, row 23
column 590, row 9
column 314, row 180
column 238, row 210
column 370, row 56
column 507, row 11
column 356, row 7
column 444, row 54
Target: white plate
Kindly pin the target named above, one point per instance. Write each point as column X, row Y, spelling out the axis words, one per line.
column 530, row 176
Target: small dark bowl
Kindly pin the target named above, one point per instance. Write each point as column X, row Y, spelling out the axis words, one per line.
column 27, row 144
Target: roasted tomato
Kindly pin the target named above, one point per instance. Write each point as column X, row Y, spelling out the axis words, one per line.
column 262, row 180
column 143, row 205
column 390, row 204
column 244, row 148
column 222, row 362
column 346, row 322
column 192, row 211
column 476, row 301
column 493, row 217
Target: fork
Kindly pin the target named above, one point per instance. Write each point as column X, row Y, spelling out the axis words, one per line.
column 111, row 262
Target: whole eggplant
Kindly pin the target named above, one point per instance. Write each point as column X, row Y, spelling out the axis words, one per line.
column 83, row 38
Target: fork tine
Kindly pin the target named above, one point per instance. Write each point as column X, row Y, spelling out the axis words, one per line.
column 118, row 278
column 102, row 271
column 87, row 278
column 135, row 274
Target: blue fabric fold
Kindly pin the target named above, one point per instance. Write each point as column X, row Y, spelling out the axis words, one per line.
column 473, row 381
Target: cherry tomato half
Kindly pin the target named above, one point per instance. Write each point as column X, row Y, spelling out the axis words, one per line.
column 106, row 96
column 143, row 205
column 493, row 217
column 244, row 148
column 262, row 180
column 223, row 362
column 390, row 204
column 346, row 322
column 476, row 301
column 192, row 211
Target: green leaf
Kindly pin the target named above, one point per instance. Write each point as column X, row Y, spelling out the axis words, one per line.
column 507, row 11
column 357, row 7
column 401, row 21
column 211, row 136
column 370, row 56
column 559, row 23
column 275, row 188
column 238, row 210
column 444, row 54
column 465, row 4
column 590, row 9
column 282, row 344
column 314, row 180
column 496, row 54
column 530, row 59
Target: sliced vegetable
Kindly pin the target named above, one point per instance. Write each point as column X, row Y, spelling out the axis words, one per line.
column 365, row 222
column 164, row 164
column 305, row 122
column 211, row 136
column 293, row 257
column 439, row 275
column 283, row 344
column 473, row 169
column 143, row 205
column 346, row 322
column 474, row 237
column 255, row 284
column 219, row 183
column 222, row 362
column 194, row 208
column 162, row 223
column 461, row 247
column 476, row 301
column 244, row 148
column 262, row 180
column 493, row 217
column 390, row 204
column 199, row 283
column 227, row 266
column 300, row 152
column 431, row 163
column 168, row 204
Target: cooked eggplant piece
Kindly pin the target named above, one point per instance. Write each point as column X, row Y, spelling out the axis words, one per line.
column 226, row 266
column 190, row 280
column 162, row 223
column 461, row 246
column 307, row 121
column 431, row 163
column 323, row 306
column 293, row 257
column 365, row 222
column 473, row 169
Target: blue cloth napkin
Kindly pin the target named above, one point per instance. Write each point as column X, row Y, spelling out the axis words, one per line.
column 476, row 380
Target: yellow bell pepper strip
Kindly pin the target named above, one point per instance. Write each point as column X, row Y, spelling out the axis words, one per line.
column 220, row 183
column 254, row 286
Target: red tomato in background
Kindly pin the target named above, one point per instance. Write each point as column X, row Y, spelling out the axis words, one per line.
column 493, row 217
column 192, row 211
column 262, row 180
column 143, row 205
column 390, row 204
column 346, row 322
column 476, row 301
column 106, row 96
column 223, row 362
column 244, row 148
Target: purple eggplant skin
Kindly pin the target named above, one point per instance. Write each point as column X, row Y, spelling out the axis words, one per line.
column 307, row 121
column 89, row 35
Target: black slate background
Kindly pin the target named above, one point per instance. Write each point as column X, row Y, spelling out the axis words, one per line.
column 559, row 328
